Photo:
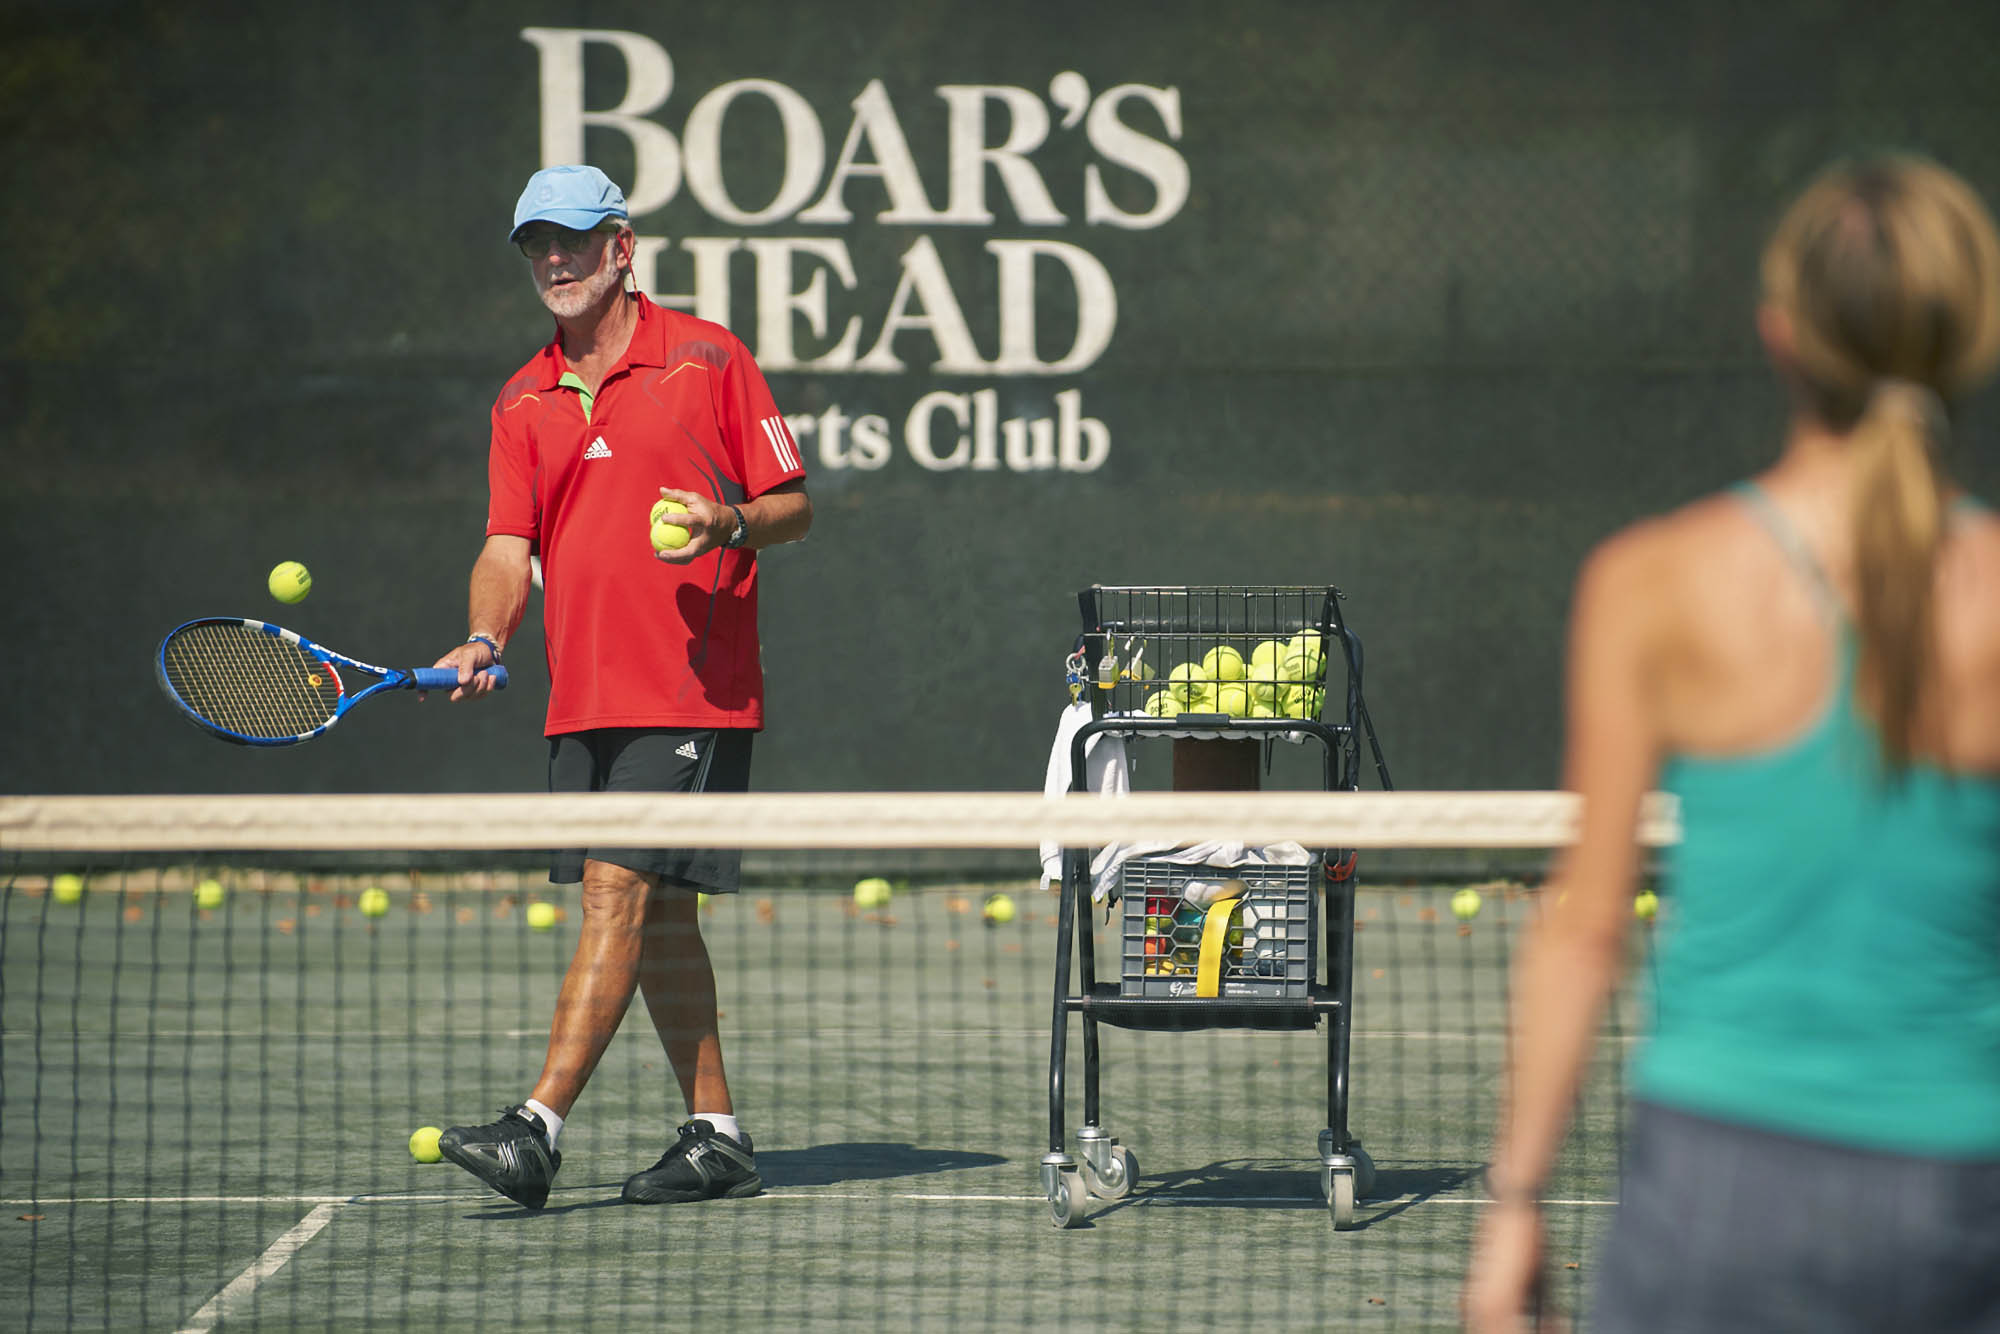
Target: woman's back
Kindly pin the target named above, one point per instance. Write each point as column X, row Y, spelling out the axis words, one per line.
column 1830, row 964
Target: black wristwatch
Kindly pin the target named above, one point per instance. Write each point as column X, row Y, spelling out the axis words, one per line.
column 742, row 533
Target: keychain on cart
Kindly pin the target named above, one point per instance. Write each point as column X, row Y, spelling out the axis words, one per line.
column 1073, row 673
column 1107, row 666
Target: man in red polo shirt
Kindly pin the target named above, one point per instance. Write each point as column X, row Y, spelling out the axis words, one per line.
column 654, row 675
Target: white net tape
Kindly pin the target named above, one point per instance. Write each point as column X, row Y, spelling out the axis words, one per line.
column 806, row 820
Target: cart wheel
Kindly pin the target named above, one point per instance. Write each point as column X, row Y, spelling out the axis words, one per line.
column 1340, row 1198
column 1116, row 1182
column 1067, row 1199
column 1364, row 1172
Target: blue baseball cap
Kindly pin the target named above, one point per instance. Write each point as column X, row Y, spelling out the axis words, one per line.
column 576, row 197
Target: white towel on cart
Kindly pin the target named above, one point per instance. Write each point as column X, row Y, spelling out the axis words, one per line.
column 1105, row 772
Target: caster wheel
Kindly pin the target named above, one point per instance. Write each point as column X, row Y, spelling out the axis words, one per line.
column 1116, row 1182
column 1364, row 1173
column 1340, row 1198
column 1067, row 1200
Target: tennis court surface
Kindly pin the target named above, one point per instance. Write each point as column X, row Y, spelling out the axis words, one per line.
column 206, row 1108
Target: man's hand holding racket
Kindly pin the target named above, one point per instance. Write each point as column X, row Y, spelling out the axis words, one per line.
column 470, row 660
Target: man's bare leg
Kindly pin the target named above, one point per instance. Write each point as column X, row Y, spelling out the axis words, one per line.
column 597, row 989
column 678, row 982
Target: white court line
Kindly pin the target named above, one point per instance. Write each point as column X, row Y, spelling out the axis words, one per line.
column 781, row 1034
column 270, row 1262
column 327, row 1203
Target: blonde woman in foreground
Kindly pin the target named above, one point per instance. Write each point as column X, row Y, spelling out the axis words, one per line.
column 1811, row 662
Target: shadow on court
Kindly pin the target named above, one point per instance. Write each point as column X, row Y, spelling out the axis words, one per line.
column 1241, row 1184
column 821, row 1165
column 832, row 1164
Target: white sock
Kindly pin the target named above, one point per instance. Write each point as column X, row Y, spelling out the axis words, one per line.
column 549, row 1118
column 724, row 1124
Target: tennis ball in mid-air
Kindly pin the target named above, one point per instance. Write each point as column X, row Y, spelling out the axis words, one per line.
column 999, row 909
column 290, row 582
column 66, row 888
column 373, row 902
column 208, row 894
column 668, row 536
column 541, row 916
column 1646, row 906
column 424, row 1144
column 873, row 892
column 1465, row 904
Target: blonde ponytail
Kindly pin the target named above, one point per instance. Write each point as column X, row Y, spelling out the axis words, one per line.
column 1889, row 274
column 1899, row 518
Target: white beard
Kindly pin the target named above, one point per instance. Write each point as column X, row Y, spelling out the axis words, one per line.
column 573, row 300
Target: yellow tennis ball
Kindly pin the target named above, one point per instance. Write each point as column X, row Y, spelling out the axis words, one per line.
column 999, row 909
column 873, row 892
column 290, row 582
column 373, row 902
column 668, row 536
column 1465, row 904
column 1233, row 698
column 208, row 894
column 66, row 888
column 541, row 916
column 424, row 1144
column 1646, row 906
column 1222, row 663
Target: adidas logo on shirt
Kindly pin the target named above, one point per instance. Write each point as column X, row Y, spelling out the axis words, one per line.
column 685, row 750
column 598, row 449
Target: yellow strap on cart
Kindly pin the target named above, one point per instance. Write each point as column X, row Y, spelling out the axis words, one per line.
column 1214, row 940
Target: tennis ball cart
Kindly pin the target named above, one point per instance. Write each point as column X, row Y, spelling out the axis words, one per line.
column 1198, row 946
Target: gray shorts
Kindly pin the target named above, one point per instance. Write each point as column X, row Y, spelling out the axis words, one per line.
column 1722, row 1227
column 653, row 759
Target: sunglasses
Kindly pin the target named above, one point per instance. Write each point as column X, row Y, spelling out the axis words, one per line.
column 536, row 245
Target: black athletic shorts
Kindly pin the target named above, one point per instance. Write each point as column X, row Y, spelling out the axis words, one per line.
column 653, row 759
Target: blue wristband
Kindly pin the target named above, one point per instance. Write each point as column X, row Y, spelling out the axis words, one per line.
column 491, row 646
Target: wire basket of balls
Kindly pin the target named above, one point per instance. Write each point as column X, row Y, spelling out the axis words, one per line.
column 1233, row 651
column 1231, row 932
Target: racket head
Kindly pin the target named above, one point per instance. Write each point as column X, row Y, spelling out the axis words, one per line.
column 251, row 683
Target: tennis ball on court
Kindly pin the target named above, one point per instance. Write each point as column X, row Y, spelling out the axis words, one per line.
column 66, row 888
column 874, row 892
column 290, row 582
column 541, row 916
column 999, row 909
column 373, row 902
column 1222, row 663
column 1646, row 906
column 208, row 894
column 1465, row 904
column 424, row 1144
column 668, row 536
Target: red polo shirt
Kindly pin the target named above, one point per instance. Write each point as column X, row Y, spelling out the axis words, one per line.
column 633, row 641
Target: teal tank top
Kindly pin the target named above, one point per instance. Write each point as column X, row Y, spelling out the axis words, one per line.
column 1827, row 960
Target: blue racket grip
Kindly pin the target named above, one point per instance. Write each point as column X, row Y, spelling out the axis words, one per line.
column 446, row 678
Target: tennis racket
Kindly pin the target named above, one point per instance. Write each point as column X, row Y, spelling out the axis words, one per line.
column 257, row 684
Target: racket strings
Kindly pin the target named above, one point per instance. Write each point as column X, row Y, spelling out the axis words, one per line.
column 251, row 683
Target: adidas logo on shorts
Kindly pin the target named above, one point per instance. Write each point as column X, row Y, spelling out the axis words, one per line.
column 685, row 750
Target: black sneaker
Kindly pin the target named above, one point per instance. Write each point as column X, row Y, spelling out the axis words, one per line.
column 512, row 1155
column 704, row 1165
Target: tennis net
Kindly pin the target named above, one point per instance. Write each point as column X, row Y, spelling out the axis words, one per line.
column 222, row 1018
